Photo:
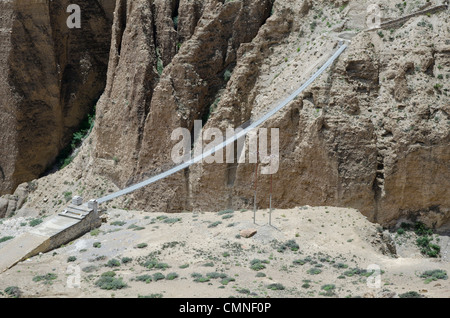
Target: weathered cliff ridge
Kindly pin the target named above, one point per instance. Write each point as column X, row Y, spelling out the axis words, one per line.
column 372, row 134
column 51, row 77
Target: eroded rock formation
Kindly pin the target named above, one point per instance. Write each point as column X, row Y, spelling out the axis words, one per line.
column 51, row 78
column 372, row 133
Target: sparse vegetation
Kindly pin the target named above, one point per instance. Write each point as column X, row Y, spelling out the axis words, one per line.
column 410, row 294
column 144, row 278
column 95, row 232
column 155, row 264
column 172, row 220
column 108, row 281
column 35, row 222
column 71, row 259
column 433, row 275
column 46, row 279
column 227, row 76
column 13, row 291
column 257, row 264
column 118, row 223
column 113, row 263
column 328, row 290
column 214, row 224
column 289, row 245
column 172, row 276
column 67, row 154
column 97, row 244
column 314, row 271
column 275, row 286
column 6, row 238
column 158, row 276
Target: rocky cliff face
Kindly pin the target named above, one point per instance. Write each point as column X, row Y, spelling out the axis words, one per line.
column 51, row 78
column 372, row 133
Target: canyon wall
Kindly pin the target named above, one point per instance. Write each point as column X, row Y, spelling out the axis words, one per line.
column 371, row 133
column 51, row 78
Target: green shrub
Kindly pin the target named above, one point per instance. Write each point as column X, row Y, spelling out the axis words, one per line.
column 97, row 244
column 6, row 238
column 71, row 259
column 155, row 264
column 432, row 275
column 214, row 224
column 109, row 282
column 46, row 279
column 209, row 264
column 357, row 271
column 89, row 269
column 13, row 292
column 35, row 222
column 144, row 278
column 257, row 265
column 291, row 244
column 118, row 223
column 244, row 291
column 126, row 260
column 142, row 245
column 215, row 275
column 172, row 220
column 171, row 276
column 196, row 275
column 329, row 290
column 314, row 271
column 109, row 274
column 275, row 286
column 227, row 76
column 421, row 229
column 225, row 212
column 198, row 278
column 65, row 157
column 410, row 294
column 437, row 86
column 67, row 196
column 428, row 248
column 226, row 280
column 299, row 262
column 95, row 232
column 401, row 231
column 113, row 263
column 151, row 296
column 158, row 276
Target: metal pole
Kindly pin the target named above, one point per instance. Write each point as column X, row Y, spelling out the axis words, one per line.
column 270, row 201
column 256, row 187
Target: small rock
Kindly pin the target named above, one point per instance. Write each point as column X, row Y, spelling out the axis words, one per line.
column 247, row 233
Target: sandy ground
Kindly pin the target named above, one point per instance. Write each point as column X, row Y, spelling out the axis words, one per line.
column 332, row 243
